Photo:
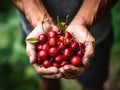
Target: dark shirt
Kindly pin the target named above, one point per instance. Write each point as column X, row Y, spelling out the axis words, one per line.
column 62, row 8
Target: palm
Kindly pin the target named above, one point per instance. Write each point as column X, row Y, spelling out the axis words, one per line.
column 80, row 33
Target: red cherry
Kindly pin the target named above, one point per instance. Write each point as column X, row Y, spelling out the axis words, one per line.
column 53, row 51
column 58, row 49
column 82, row 46
column 67, row 53
column 67, row 41
column 42, row 38
column 74, row 46
column 52, row 34
column 60, row 32
column 67, row 34
column 39, row 47
column 58, row 59
column 45, row 47
column 56, row 65
column 76, row 60
column 39, row 61
column 80, row 53
column 46, row 63
column 52, row 42
column 61, row 45
column 64, row 63
column 58, row 43
column 42, row 54
column 61, row 38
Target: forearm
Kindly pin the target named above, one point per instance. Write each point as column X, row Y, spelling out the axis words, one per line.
column 19, row 4
column 34, row 11
column 90, row 11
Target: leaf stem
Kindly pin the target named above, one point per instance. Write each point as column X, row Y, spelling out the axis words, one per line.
column 44, row 15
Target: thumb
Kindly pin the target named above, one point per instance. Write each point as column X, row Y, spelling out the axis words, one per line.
column 89, row 54
column 31, row 52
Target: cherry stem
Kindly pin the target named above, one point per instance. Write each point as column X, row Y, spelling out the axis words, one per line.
column 43, row 22
column 58, row 20
column 61, row 51
column 51, row 59
column 66, row 19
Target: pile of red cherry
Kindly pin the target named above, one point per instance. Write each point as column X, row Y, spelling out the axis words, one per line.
column 58, row 49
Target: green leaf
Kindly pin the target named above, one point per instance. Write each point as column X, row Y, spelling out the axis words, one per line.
column 32, row 40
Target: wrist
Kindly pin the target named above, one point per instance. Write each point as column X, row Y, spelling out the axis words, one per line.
column 89, row 12
column 37, row 18
column 34, row 12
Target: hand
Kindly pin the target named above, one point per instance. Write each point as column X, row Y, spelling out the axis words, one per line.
column 51, row 72
column 81, row 34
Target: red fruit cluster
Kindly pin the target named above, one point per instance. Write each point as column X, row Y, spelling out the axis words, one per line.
column 58, row 49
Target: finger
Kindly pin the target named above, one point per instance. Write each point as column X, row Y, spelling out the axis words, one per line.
column 71, row 72
column 74, row 70
column 67, row 75
column 53, row 76
column 45, row 71
column 89, row 53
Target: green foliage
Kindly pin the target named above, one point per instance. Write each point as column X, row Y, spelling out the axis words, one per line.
column 5, row 9
column 116, row 21
column 15, row 70
column 5, row 6
column 116, row 46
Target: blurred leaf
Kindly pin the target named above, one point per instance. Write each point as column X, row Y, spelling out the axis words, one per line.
column 32, row 40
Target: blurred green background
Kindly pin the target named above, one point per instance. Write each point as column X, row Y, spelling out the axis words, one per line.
column 15, row 70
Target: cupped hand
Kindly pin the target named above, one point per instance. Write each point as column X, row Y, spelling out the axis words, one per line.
column 51, row 72
column 81, row 34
